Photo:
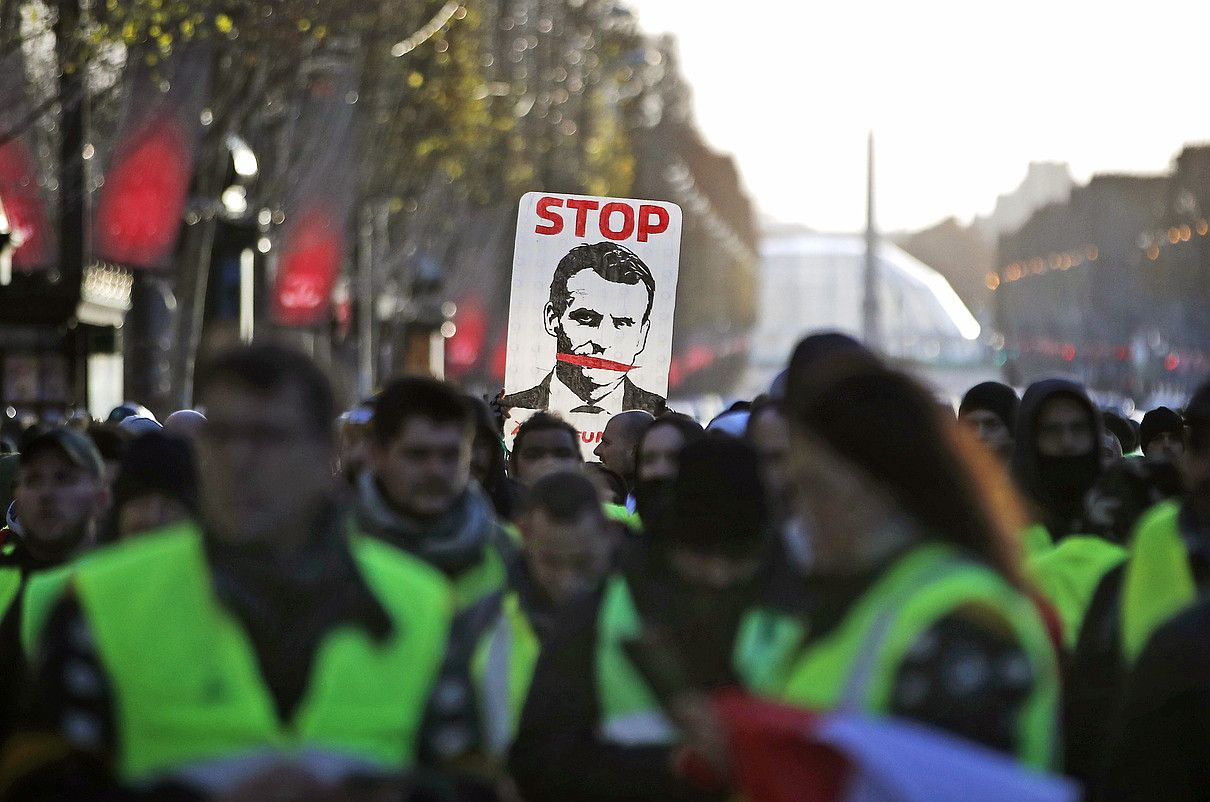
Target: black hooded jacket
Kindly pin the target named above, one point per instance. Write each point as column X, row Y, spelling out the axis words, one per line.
column 1061, row 510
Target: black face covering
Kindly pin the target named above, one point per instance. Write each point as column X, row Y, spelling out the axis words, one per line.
column 653, row 501
column 1065, row 480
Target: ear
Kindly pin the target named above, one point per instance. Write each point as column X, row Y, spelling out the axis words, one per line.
column 643, row 342
column 550, row 319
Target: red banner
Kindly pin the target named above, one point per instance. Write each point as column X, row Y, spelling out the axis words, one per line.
column 313, row 241
column 308, row 267
column 142, row 202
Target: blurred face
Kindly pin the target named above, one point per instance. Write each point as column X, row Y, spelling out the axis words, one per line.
column 1111, row 450
column 149, row 511
column 483, row 451
column 1166, row 445
column 604, row 320
column 1064, row 429
column 616, row 449
column 989, row 430
column 267, row 472
column 770, row 436
column 426, row 468
column 566, row 558
column 657, row 458
column 543, row 452
column 57, row 502
column 845, row 511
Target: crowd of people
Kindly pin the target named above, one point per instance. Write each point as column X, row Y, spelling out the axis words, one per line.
column 264, row 599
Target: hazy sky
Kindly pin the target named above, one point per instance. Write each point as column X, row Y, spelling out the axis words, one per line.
column 961, row 95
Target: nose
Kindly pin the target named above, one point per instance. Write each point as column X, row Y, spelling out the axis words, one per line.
column 596, row 452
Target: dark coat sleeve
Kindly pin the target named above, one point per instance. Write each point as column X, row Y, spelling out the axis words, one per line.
column 1160, row 746
column 1093, row 683
column 558, row 756
column 967, row 680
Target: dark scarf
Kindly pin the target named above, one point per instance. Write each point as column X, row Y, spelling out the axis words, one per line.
column 452, row 543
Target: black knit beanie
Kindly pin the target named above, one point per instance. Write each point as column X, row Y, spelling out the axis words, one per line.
column 994, row 397
column 1159, row 421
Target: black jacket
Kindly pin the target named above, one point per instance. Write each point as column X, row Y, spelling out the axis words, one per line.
column 633, row 397
column 1160, row 748
column 1096, row 673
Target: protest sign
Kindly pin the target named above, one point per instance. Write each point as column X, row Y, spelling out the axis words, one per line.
column 590, row 317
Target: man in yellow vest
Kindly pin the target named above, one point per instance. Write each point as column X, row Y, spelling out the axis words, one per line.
column 59, row 496
column 694, row 607
column 1166, row 570
column 274, row 656
column 567, row 548
column 1056, row 462
column 417, row 493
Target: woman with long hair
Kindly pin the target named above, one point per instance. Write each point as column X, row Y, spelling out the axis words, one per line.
column 919, row 610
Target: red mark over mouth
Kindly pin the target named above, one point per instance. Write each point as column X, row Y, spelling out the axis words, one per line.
column 594, row 362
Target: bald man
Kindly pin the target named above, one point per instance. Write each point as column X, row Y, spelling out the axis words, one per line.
column 185, row 423
column 620, row 440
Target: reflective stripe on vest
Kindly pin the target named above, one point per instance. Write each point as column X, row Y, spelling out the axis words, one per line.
column 1068, row 576
column 629, row 713
column 187, row 685
column 854, row 667
column 1158, row 581
column 503, row 668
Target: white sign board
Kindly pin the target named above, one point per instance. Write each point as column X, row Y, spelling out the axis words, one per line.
column 590, row 318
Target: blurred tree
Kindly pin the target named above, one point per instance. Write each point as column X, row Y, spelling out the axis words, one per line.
column 460, row 107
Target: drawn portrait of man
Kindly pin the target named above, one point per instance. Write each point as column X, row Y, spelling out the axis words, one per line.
column 599, row 313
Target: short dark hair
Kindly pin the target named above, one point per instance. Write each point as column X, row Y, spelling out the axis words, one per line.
column 608, row 260
column 564, row 497
column 691, row 431
column 419, row 397
column 543, row 422
column 266, row 368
